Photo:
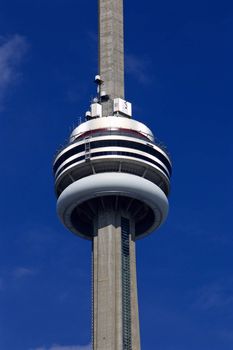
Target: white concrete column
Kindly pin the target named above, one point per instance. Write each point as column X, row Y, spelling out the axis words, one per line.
column 107, row 305
column 107, row 284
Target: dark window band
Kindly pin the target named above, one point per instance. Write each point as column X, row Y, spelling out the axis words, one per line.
column 119, row 153
column 113, row 143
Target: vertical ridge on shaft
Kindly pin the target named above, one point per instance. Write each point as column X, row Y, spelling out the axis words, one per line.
column 126, row 288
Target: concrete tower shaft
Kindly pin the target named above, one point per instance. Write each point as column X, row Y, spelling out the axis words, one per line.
column 115, row 304
column 111, row 51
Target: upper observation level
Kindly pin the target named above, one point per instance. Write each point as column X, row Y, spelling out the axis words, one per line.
column 112, row 144
column 112, row 162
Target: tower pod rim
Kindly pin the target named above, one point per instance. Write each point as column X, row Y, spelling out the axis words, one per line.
column 112, row 184
column 111, row 123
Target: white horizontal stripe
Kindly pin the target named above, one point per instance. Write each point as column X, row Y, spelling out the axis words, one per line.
column 114, row 149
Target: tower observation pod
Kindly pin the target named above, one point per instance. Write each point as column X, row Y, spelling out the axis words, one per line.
column 112, row 182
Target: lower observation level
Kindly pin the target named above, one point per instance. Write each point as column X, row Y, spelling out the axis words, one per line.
column 112, row 162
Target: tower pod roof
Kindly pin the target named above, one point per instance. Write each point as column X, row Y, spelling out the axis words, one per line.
column 111, row 123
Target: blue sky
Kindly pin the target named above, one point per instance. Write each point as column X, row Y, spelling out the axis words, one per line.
column 179, row 77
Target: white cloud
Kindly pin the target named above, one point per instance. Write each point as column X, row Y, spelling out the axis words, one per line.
column 64, row 347
column 137, row 67
column 12, row 51
column 21, row 272
column 218, row 295
column 226, row 335
column 1, row 284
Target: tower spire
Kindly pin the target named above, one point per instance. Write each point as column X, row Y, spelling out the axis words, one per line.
column 111, row 51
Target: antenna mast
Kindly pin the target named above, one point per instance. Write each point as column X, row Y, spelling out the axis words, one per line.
column 111, row 53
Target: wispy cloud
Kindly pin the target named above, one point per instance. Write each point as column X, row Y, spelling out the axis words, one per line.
column 1, row 284
column 212, row 235
column 21, row 272
column 226, row 335
column 65, row 347
column 215, row 296
column 137, row 67
column 9, row 277
column 12, row 51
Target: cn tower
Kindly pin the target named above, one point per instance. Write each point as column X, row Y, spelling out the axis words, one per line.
column 112, row 182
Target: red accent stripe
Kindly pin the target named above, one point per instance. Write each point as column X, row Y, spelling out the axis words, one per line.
column 90, row 132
